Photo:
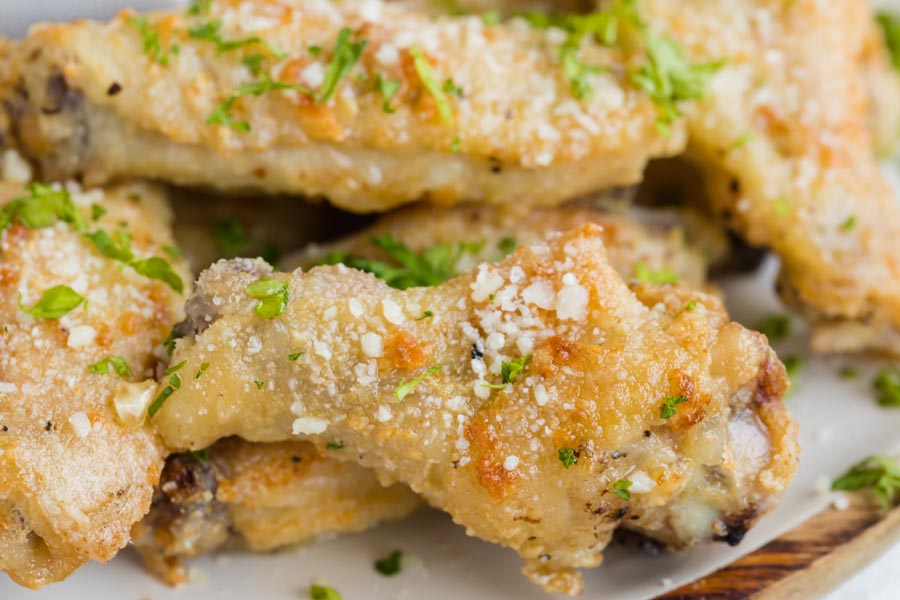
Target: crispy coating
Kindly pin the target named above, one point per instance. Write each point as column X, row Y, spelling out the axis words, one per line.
column 783, row 138
column 653, row 241
column 77, row 467
column 407, row 396
column 259, row 497
column 92, row 102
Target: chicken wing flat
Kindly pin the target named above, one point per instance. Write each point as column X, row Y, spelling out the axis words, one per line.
column 783, row 138
column 371, row 104
column 258, row 497
column 539, row 401
column 640, row 244
column 77, row 465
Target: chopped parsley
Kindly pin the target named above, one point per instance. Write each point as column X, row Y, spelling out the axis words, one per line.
column 175, row 368
column 118, row 364
column 272, row 296
column 172, row 251
column 887, row 385
column 848, row 373
column 451, row 88
column 55, row 302
column 793, row 364
column 346, row 53
column 405, row 387
column 314, row 50
column 169, row 342
column 742, row 140
column 620, row 489
column 97, row 212
column 222, row 113
column 507, row 245
column 645, row 274
column 668, row 410
column 254, row 63
column 387, row 88
column 890, row 25
column 432, row 86
column 119, row 248
column 211, row 32
column 429, row 267
column 200, row 371
column 567, row 456
column 324, row 592
column 775, row 327
column 152, row 46
column 199, row 8
column 390, row 565
column 259, row 383
column 160, row 400
column 230, row 236
column 293, row 357
column 42, row 207
column 849, row 224
column 783, row 207
column 425, row 315
column 199, row 455
column 879, row 473
column 510, row 371
column 691, row 306
column 491, row 17
column 334, row 446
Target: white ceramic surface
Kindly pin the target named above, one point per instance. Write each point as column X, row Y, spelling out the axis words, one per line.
column 840, row 423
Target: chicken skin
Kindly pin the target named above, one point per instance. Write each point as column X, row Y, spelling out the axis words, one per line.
column 540, row 400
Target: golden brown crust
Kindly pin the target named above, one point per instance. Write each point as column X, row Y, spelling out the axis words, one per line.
column 603, row 360
column 74, row 473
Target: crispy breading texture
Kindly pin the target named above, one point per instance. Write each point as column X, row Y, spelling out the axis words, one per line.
column 478, row 112
column 77, row 467
column 259, row 497
column 784, row 139
column 409, row 396
column 639, row 243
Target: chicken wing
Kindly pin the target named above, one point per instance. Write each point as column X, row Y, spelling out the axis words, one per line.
column 783, row 139
column 77, row 467
column 640, row 244
column 258, row 497
column 539, row 401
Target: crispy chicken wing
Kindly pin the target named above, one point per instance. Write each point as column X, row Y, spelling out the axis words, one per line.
column 640, row 244
column 77, row 467
column 441, row 107
column 539, row 401
column 783, row 138
column 259, row 497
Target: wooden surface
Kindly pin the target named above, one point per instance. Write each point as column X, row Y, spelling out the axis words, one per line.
column 806, row 562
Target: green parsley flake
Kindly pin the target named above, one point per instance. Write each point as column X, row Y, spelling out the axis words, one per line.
column 169, row 342
column 507, row 245
column 879, row 473
column 849, row 224
column 222, row 114
column 175, row 368
column 645, row 274
column 254, row 63
column 430, row 267
column 691, row 306
column 492, row 17
column 567, row 457
column 346, row 53
column 620, row 489
column 230, row 236
column 56, row 302
column 425, row 315
column 293, row 357
column 324, row 592
column 390, row 565
column 211, row 32
column 405, row 387
column 887, row 384
column 118, row 364
column 152, row 46
column 451, row 88
column 259, row 384
column 510, row 371
column 783, row 207
column 742, row 140
column 200, row 371
column 97, row 212
column 334, row 446
column 160, row 400
column 199, row 8
column 119, row 248
column 42, row 207
column 272, row 295
column 199, row 455
column 159, row 269
column 793, row 364
column 668, row 410
column 387, row 88
column 890, row 25
column 775, row 327
column 848, row 373
column 426, row 74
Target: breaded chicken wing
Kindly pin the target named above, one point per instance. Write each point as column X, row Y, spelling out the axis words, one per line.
column 258, row 497
column 539, row 401
column 640, row 244
column 783, row 138
column 77, row 464
column 279, row 96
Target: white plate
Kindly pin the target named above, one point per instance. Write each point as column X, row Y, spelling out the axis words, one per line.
column 839, row 423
